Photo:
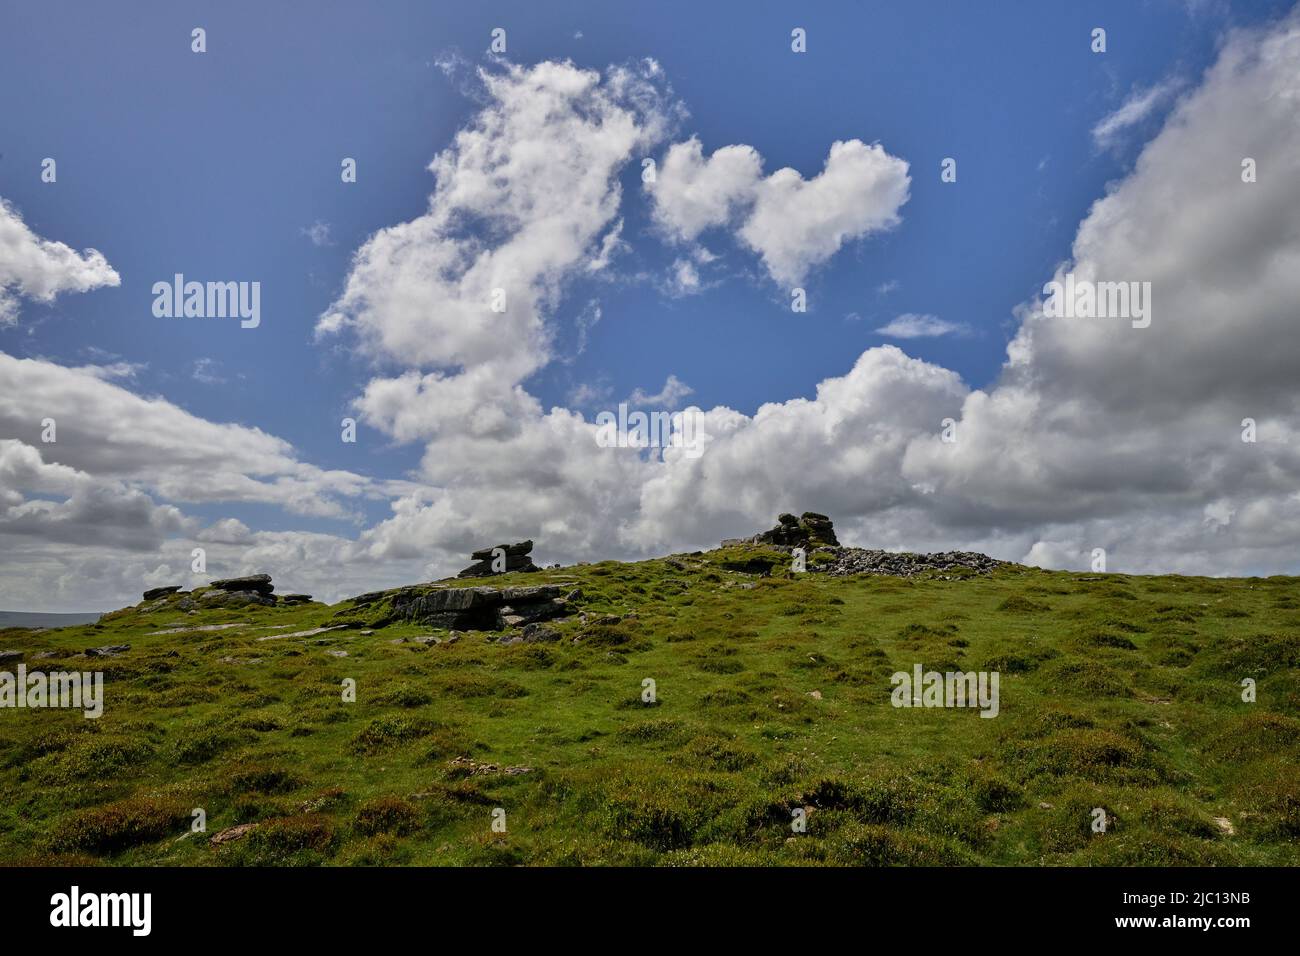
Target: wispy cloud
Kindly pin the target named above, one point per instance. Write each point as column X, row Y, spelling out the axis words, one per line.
column 205, row 372
column 1140, row 104
column 319, row 233
column 911, row 325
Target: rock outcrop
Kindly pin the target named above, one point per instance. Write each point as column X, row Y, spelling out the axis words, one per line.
column 480, row 608
column 810, row 530
column 261, row 583
column 815, row 532
column 154, row 593
column 516, row 559
column 232, row 592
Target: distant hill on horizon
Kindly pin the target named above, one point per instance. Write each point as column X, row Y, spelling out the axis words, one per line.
column 42, row 619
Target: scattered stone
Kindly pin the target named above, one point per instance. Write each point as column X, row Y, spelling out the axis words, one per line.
column 108, row 650
column 1224, row 824
column 231, row 834
column 903, row 564
column 534, row 633
column 239, row 660
column 815, row 532
column 154, row 593
column 337, row 653
column 366, row 633
column 516, row 559
column 9, row 656
column 466, row 767
column 295, row 598
column 815, row 694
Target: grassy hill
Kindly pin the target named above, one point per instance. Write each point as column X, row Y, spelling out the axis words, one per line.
column 773, row 693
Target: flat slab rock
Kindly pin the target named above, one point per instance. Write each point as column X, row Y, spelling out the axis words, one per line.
column 250, row 582
column 310, row 632
column 197, row 628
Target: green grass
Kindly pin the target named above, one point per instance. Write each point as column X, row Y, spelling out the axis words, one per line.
column 1116, row 692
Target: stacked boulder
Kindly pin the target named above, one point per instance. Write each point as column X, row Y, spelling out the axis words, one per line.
column 488, row 561
column 238, row 592
column 253, row 589
column 810, row 530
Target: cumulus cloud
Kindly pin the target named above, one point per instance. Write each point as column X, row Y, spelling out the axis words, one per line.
column 108, row 431
column 1096, row 422
column 525, row 195
column 1095, row 434
column 793, row 224
column 669, row 396
column 39, row 269
column 910, row 325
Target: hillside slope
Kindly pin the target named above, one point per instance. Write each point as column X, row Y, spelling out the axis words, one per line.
column 772, row 693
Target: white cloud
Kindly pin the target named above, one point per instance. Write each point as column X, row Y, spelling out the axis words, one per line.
column 910, row 325
column 684, row 278
column 1095, row 434
column 669, row 396
column 39, row 269
column 536, row 169
column 206, row 372
column 107, row 431
column 1141, row 104
column 319, row 233
column 792, row 223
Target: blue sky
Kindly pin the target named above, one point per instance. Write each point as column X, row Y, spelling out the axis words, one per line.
column 217, row 165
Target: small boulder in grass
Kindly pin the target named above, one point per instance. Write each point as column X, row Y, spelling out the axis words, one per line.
column 230, row 834
column 108, row 650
